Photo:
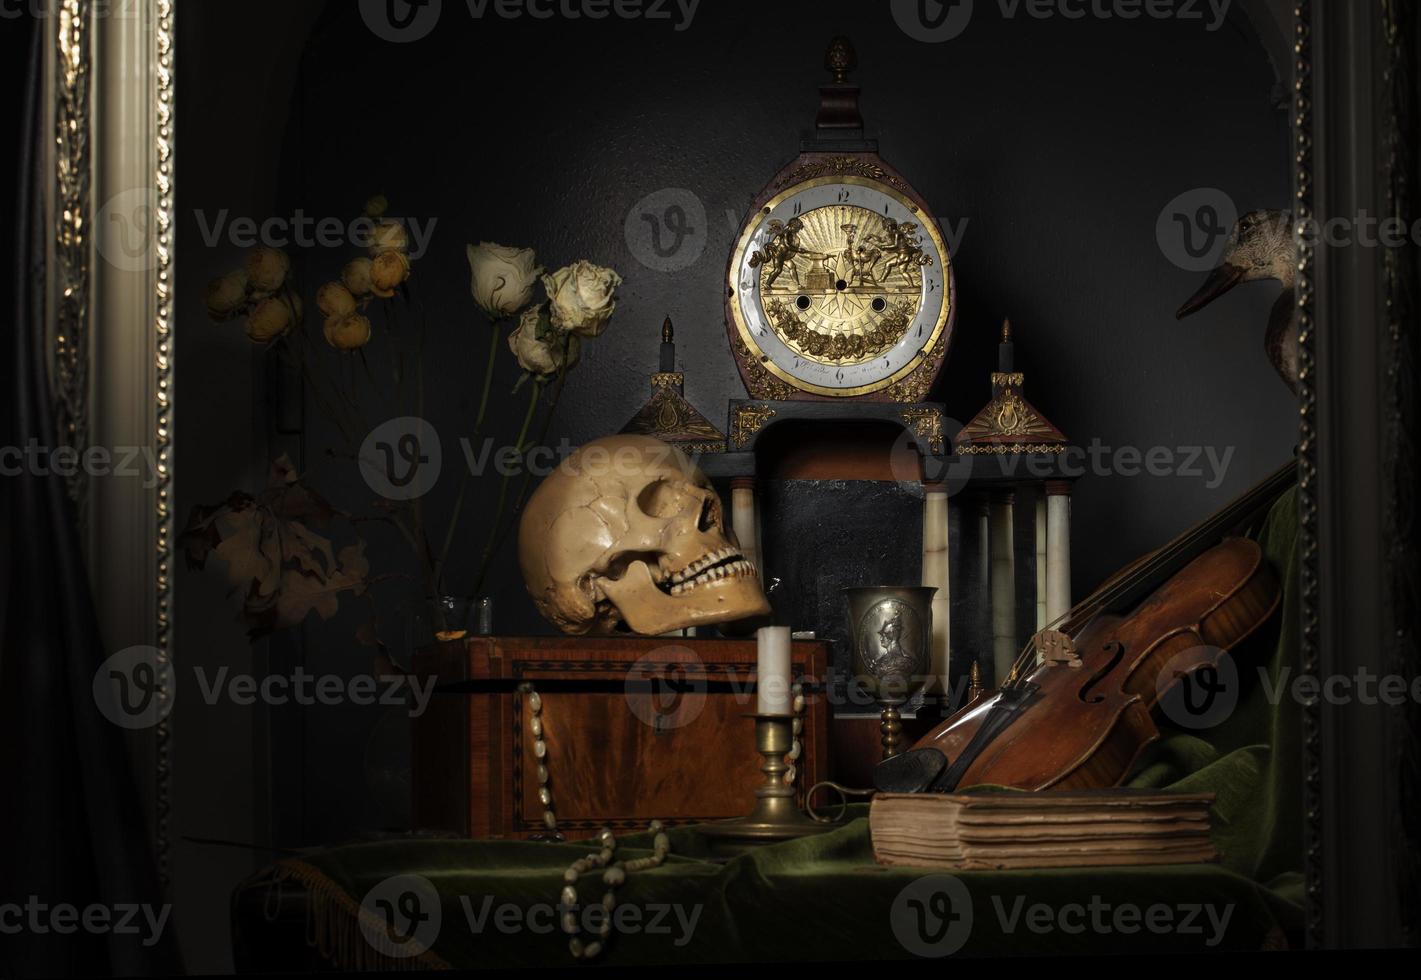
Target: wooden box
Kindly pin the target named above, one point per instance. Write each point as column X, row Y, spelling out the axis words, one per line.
column 637, row 728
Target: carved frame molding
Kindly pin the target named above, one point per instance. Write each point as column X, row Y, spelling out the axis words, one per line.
column 109, row 106
column 1355, row 126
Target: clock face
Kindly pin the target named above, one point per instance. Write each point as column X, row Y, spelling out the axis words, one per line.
column 839, row 286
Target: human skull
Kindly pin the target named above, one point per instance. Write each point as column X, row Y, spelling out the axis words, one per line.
column 627, row 529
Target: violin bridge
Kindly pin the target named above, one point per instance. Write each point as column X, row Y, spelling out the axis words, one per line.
column 1056, row 649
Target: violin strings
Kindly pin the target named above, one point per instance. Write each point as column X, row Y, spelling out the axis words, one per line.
column 1092, row 605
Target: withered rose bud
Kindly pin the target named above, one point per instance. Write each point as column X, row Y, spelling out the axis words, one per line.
column 356, row 276
column 387, row 271
column 334, row 299
column 267, row 269
column 226, row 294
column 269, row 319
column 541, row 350
column 348, row 332
column 582, row 297
column 375, row 206
column 501, row 277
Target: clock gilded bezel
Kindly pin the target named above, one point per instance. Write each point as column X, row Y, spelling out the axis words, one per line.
column 737, row 298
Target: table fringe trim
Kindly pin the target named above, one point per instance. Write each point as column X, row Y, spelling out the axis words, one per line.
column 333, row 925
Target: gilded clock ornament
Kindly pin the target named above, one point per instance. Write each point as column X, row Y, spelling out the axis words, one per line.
column 840, row 283
column 749, row 419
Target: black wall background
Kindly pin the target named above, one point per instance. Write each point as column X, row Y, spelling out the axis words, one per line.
column 1050, row 145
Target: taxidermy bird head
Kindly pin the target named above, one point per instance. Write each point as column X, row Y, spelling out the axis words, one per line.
column 1260, row 246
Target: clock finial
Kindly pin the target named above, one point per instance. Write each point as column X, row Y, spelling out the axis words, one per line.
column 668, row 346
column 839, row 116
column 1006, row 354
column 1006, row 330
column 840, row 59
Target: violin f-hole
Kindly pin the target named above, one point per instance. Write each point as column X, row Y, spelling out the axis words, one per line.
column 1116, row 649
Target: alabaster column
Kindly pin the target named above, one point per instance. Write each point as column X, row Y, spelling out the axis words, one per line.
column 1040, row 541
column 744, row 520
column 1003, row 579
column 935, row 574
column 984, row 551
column 1058, row 549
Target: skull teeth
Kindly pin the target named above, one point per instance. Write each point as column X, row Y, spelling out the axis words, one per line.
column 713, row 568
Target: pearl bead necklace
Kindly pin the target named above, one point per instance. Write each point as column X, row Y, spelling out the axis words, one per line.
column 614, row 875
column 540, row 752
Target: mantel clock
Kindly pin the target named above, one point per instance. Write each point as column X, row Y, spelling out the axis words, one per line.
column 840, row 284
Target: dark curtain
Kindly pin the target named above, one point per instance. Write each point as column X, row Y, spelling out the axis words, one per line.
column 71, row 825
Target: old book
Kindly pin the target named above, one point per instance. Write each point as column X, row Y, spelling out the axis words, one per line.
column 1041, row 830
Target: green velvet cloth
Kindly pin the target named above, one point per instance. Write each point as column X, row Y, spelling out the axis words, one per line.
column 1252, row 760
column 824, row 898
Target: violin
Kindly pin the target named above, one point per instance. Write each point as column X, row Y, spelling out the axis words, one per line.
column 1077, row 709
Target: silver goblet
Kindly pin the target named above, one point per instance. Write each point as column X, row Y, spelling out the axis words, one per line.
column 891, row 628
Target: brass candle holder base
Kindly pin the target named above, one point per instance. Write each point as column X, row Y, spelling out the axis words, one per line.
column 776, row 817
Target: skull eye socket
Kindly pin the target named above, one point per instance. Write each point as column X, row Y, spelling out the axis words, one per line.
column 666, row 499
column 662, row 498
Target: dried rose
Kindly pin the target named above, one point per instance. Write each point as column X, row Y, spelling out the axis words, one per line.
column 269, row 319
column 581, row 296
column 541, row 350
column 388, row 236
column 267, row 269
column 503, row 277
column 348, row 332
column 387, row 271
column 226, row 294
column 375, row 206
column 356, row 276
column 333, row 299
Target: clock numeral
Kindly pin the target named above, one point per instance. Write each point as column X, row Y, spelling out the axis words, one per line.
column 798, row 206
column 932, row 285
column 839, row 375
column 920, row 330
column 747, row 285
column 843, row 196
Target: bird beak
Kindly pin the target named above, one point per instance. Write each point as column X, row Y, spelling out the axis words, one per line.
column 1224, row 277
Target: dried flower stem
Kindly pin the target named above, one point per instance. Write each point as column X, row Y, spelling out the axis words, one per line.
column 494, row 538
column 495, row 333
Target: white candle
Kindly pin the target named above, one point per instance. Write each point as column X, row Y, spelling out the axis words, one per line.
column 772, row 670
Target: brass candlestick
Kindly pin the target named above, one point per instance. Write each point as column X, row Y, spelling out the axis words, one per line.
column 775, row 817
